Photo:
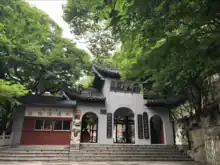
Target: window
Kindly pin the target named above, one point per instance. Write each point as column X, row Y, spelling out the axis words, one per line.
column 62, row 125
column 66, row 125
column 58, row 125
column 42, row 125
column 39, row 124
column 47, row 124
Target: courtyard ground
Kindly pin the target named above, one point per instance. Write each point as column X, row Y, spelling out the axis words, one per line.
column 101, row 163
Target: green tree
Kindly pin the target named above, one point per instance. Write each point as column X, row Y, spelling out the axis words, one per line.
column 33, row 56
column 176, row 43
column 100, row 41
column 33, row 51
column 8, row 94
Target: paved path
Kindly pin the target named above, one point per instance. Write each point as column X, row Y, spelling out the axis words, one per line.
column 101, row 163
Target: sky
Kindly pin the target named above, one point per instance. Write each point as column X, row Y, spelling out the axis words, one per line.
column 54, row 9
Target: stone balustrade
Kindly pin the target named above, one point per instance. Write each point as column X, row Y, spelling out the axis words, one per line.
column 5, row 140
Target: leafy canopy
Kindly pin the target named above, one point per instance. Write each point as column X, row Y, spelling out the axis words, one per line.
column 10, row 91
column 33, row 52
column 175, row 43
column 33, row 56
column 86, row 27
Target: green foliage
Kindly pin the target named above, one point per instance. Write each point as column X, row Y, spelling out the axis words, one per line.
column 9, row 91
column 86, row 27
column 33, row 56
column 176, row 43
column 184, row 110
column 33, row 52
column 86, row 81
column 8, row 94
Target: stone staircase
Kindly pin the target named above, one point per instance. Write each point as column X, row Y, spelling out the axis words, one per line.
column 94, row 152
column 100, row 152
column 35, row 153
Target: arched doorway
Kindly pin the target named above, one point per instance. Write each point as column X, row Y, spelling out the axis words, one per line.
column 89, row 130
column 124, row 131
column 156, row 129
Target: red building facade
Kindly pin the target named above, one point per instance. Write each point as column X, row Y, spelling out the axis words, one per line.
column 47, row 121
column 46, row 131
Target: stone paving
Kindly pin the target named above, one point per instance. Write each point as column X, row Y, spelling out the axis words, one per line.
column 101, row 163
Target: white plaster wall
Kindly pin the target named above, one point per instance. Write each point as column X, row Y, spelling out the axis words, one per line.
column 132, row 101
column 106, row 89
column 135, row 102
column 167, row 125
column 102, row 120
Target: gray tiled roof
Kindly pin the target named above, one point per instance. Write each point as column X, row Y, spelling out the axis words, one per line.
column 170, row 102
column 50, row 101
column 105, row 72
column 85, row 94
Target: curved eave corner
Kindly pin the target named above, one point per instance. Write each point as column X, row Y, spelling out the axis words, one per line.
column 105, row 72
column 97, row 73
column 169, row 103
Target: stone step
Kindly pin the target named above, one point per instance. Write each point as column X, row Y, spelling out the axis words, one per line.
column 33, row 151
column 34, row 159
column 128, row 159
column 126, row 146
column 131, row 156
column 127, row 153
column 36, row 149
column 132, row 147
column 107, row 158
column 33, row 155
column 44, row 146
column 126, row 150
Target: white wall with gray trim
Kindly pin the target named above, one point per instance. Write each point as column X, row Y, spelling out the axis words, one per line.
column 114, row 101
column 135, row 102
column 102, row 120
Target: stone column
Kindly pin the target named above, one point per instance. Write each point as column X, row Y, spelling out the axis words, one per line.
column 17, row 126
column 76, row 131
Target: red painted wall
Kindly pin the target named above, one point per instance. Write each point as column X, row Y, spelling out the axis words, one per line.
column 32, row 137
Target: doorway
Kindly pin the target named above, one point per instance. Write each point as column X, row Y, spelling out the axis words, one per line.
column 124, row 130
column 89, row 130
column 156, row 129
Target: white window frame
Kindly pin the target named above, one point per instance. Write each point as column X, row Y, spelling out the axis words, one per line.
column 62, row 126
column 43, row 126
